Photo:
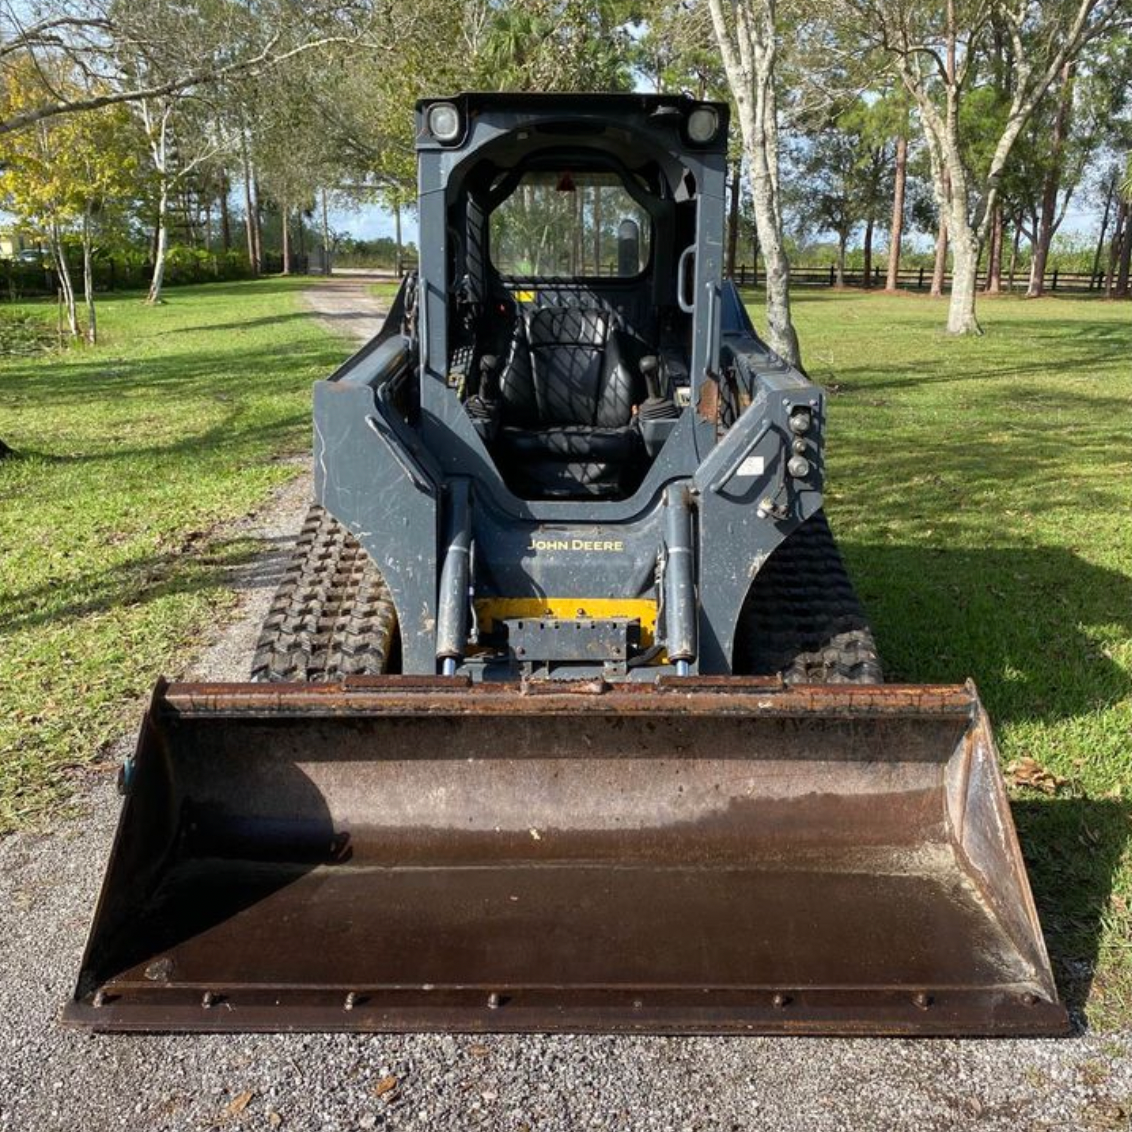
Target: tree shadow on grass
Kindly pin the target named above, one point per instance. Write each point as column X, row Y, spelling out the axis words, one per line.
column 1029, row 626
column 1074, row 348
column 244, row 323
column 959, row 474
column 196, row 565
column 228, row 438
column 1073, row 848
column 223, row 375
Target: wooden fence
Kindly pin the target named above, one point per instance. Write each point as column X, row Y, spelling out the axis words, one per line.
column 920, row 279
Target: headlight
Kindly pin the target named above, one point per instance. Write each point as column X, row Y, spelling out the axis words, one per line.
column 703, row 123
column 444, row 122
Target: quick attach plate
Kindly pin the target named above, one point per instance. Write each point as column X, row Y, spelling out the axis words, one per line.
column 555, row 639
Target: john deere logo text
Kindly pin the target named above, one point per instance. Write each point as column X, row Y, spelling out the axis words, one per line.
column 583, row 544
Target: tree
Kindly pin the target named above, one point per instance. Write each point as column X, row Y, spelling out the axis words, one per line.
column 747, row 38
column 180, row 140
column 939, row 51
column 200, row 44
column 1120, row 259
column 295, row 155
column 678, row 50
column 63, row 176
column 1049, row 220
column 100, row 156
column 556, row 45
column 836, row 182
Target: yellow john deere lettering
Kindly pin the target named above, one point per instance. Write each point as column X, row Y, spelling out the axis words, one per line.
column 600, row 545
column 492, row 609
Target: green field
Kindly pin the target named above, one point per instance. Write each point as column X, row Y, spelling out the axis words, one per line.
column 129, row 457
column 982, row 491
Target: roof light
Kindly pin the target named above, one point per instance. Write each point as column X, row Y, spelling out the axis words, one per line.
column 703, row 124
column 444, row 121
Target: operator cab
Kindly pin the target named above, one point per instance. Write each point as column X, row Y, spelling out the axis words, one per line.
column 570, row 259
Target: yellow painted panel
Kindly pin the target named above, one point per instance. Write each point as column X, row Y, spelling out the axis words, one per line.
column 492, row 609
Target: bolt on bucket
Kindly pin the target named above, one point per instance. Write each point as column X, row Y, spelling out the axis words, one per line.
column 701, row 856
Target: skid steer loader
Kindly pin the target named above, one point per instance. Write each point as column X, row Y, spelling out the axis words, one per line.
column 566, row 716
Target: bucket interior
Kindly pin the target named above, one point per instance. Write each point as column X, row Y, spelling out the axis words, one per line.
column 687, row 868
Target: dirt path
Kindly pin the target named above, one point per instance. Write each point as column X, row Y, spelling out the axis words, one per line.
column 344, row 305
column 51, row 1079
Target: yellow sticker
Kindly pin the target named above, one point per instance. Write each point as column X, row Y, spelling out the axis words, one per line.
column 524, row 296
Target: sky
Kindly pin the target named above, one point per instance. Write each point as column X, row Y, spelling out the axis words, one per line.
column 371, row 220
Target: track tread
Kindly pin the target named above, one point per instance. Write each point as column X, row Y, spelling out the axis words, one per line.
column 802, row 619
column 332, row 615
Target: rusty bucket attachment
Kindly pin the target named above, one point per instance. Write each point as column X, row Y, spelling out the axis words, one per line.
column 702, row 856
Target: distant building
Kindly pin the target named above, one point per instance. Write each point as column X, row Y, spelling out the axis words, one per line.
column 15, row 244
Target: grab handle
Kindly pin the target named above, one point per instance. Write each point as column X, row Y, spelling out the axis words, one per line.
column 685, row 304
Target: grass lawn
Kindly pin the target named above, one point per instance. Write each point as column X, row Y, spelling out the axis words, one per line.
column 129, row 456
column 982, row 493
column 385, row 292
column 981, row 489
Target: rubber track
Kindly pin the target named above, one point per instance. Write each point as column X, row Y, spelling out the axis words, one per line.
column 332, row 615
column 802, row 618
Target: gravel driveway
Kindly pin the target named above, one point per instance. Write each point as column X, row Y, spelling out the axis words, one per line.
column 54, row 1079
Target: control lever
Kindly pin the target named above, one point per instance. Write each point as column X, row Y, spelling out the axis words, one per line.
column 483, row 406
column 650, row 371
column 656, row 406
column 489, row 372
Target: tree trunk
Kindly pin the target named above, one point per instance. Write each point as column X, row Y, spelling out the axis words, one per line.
column 840, row 277
column 1047, row 222
column 1114, row 248
column 158, row 279
column 965, row 250
column 225, row 219
column 868, row 256
column 1104, row 229
column 399, row 253
column 55, row 239
column 994, row 264
column 749, row 51
column 188, row 216
column 257, row 226
column 325, row 235
column 1125, row 257
column 1015, row 237
column 940, row 267
column 896, row 231
column 577, row 252
column 733, row 222
column 597, row 229
column 285, row 229
column 249, row 206
column 88, row 281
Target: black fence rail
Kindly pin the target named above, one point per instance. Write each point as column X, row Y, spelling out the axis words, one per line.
column 920, row 278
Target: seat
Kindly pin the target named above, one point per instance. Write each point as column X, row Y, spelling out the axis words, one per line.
column 567, row 392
